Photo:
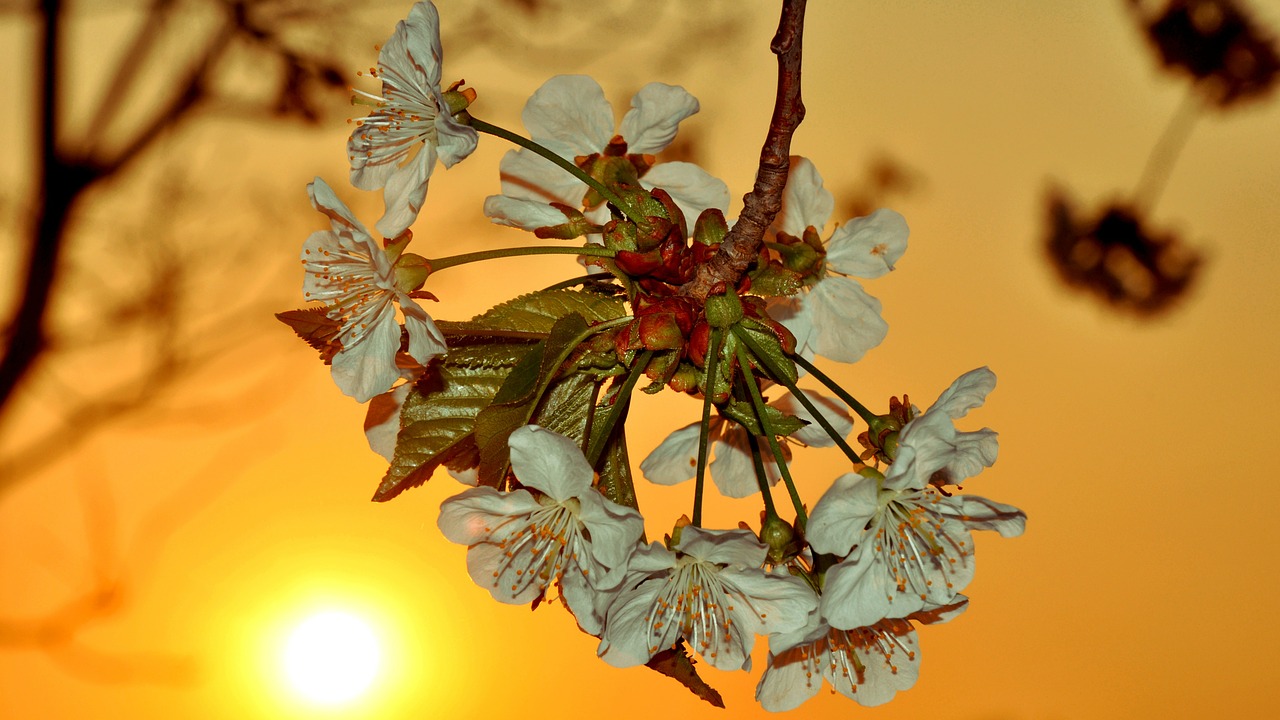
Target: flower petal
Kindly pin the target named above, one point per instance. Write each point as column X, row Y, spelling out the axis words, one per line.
column 723, row 547
column 324, row 200
column 838, row 521
column 805, row 202
column 483, row 514
column 656, row 111
column 615, row 532
column 845, row 319
column 858, row 593
column 382, row 422
column 979, row 513
column 813, row 434
column 691, row 188
column 569, row 116
column 969, row 391
column 405, row 191
column 369, row 367
column 550, row 462
column 868, row 247
column 425, row 339
column 733, row 471
column 675, row 460
column 524, row 214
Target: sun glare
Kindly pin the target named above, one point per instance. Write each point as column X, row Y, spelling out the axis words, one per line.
column 331, row 657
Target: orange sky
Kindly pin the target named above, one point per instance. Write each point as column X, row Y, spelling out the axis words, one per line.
column 1143, row 587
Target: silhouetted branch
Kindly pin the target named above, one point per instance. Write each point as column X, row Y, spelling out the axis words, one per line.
column 742, row 245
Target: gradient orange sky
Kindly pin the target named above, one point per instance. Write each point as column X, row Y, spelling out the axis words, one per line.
column 1144, row 586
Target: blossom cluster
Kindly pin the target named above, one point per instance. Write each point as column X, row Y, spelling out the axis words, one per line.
column 526, row 403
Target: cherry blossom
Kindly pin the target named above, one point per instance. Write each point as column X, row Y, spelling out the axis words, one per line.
column 905, row 542
column 570, row 116
column 412, row 112
column 356, row 279
column 835, row 317
column 558, row 531
column 866, row 664
column 710, row 592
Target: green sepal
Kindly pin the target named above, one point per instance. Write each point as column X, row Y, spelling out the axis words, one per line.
column 774, row 280
column 744, row 413
column 767, row 350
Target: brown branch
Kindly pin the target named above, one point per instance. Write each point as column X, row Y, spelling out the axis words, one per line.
column 742, row 245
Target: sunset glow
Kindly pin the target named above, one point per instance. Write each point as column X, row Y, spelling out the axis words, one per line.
column 331, row 657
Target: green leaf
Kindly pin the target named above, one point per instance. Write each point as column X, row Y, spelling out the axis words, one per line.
column 537, row 312
column 675, row 663
column 565, row 407
column 316, row 328
column 436, row 424
column 767, row 351
column 774, row 280
column 744, row 414
column 514, row 403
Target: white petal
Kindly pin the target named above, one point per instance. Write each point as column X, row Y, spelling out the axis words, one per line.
column 524, row 214
column 979, row 513
column 324, row 200
column 629, row 639
column 569, row 116
column 846, row 320
column 868, row 247
column 884, row 676
column 814, row 435
column 779, row 602
column 414, row 48
column 382, row 422
column 405, row 192
column 483, row 514
column 857, row 592
column 369, row 368
column 805, row 203
column 549, row 462
column 454, row 141
column 723, row 547
column 691, row 188
column 615, row 531
column 425, row 339
column 675, row 460
column 733, row 471
column 969, row 391
column 508, row 578
column 656, row 111
column 787, row 686
column 526, row 176
column 838, row 521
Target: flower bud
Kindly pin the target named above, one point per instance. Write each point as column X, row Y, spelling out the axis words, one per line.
column 779, row 536
column 411, row 272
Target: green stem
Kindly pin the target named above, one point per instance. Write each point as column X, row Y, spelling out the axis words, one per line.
column 620, row 401
column 700, row 482
column 769, row 510
column 832, row 385
column 766, row 427
column 437, row 264
column 580, row 280
column 799, row 394
column 526, row 143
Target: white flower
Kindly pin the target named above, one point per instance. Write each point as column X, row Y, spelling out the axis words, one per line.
column 836, row 318
column 567, row 534
column 712, row 593
column 570, row 116
column 867, row 664
column 411, row 111
column 675, row 460
column 905, row 543
column 354, row 277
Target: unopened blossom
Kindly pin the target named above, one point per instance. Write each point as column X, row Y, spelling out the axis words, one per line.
column 675, row 460
column 866, row 664
column 570, row 116
column 710, row 592
column 559, row 532
column 904, row 542
column 835, row 317
column 411, row 114
column 355, row 278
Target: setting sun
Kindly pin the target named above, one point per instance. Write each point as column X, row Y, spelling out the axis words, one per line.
column 331, row 657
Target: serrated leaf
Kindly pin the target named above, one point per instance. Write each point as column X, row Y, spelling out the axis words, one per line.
column 436, row 424
column 675, row 663
column 316, row 328
column 538, row 312
column 744, row 414
column 488, row 355
column 566, row 405
column 516, row 400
